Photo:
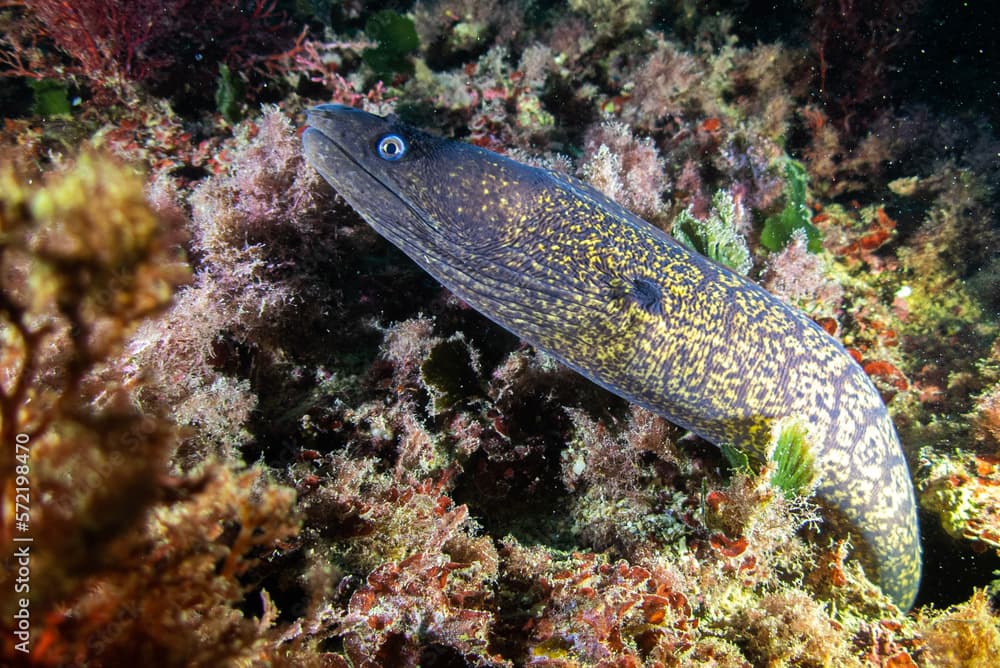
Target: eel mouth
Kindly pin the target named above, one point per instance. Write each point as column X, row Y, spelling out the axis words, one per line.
column 334, row 143
column 337, row 143
column 324, row 145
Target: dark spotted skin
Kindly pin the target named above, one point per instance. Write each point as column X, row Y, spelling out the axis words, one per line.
column 619, row 301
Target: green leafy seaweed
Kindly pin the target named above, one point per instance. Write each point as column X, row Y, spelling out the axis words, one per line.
column 51, row 97
column 396, row 36
column 716, row 237
column 738, row 460
column 792, row 461
column 229, row 95
column 779, row 227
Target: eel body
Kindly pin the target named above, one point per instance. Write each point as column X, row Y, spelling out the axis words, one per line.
column 616, row 299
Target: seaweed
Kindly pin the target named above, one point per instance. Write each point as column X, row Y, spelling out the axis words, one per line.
column 229, row 94
column 396, row 37
column 50, row 97
column 778, row 228
column 716, row 237
column 791, row 460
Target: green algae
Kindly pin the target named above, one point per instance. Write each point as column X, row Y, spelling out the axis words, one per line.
column 230, row 91
column 778, row 228
column 396, row 36
column 792, row 460
column 49, row 97
column 717, row 236
column 451, row 373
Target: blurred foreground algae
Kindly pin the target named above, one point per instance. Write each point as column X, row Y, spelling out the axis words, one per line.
column 119, row 545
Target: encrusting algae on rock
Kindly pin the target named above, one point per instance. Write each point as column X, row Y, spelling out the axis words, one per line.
column 259, row 435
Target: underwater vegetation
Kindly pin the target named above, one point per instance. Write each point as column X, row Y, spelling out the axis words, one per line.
column 242, row 429
column 779, row 228
column 112, row 46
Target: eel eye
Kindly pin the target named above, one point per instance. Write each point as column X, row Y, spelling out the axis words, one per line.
column 391, row 147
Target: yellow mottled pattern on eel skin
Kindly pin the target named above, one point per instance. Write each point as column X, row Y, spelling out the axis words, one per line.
column 622, row 303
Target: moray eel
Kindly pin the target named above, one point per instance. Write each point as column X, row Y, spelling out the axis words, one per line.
column 616, row 299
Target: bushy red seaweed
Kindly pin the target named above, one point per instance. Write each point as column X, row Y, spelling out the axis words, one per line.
column 116, row 43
